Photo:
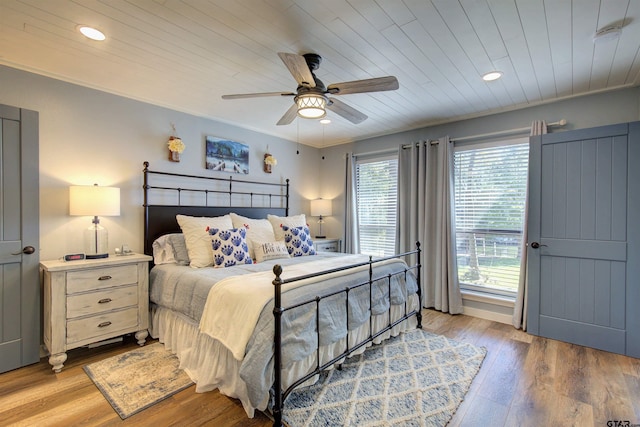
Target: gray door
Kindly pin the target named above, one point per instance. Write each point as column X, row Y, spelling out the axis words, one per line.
column 583, row 237
column 19, row 278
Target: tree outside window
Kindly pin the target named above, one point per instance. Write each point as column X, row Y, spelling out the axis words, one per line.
column 490, row 200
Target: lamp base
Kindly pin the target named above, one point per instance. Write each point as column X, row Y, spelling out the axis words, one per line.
column 96, row 242
column 96, row 256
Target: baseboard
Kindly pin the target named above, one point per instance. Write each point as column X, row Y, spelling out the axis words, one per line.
column 488, row 315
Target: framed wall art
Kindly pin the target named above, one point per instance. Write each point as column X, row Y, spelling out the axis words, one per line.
column 226, row 155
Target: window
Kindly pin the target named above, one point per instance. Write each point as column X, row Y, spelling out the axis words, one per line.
column 377, row 201
column 490, row 196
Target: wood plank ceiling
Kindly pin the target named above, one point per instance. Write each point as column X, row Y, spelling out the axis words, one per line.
column 185, row 54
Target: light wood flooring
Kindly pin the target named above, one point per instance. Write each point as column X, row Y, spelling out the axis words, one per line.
column 524, row 381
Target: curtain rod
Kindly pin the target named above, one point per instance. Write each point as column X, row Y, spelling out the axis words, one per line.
column 498, row 133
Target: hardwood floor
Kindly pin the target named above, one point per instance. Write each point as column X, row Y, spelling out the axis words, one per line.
column 524, row 381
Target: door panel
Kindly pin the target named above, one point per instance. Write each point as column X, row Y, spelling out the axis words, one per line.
column 581, row 275
column 19, row 279
column 633, row 244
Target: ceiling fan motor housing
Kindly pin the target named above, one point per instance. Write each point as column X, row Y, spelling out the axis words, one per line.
column 313, row 62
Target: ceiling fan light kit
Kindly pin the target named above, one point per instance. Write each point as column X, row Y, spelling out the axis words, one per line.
column 310, row 101
column 311, row 106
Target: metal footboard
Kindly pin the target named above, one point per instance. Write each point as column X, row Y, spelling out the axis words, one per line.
column 281, row 395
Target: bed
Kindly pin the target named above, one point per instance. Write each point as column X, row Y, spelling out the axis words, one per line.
column 230, row 327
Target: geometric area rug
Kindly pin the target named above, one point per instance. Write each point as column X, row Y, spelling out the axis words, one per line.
column 415, row 379
column 139, row 378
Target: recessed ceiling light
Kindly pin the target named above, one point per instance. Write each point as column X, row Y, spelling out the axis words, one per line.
column 91, row 33
column 325, row 121
column 491, row 76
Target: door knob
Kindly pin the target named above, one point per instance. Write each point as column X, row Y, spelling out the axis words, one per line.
column 27, row 250
column 536, row 245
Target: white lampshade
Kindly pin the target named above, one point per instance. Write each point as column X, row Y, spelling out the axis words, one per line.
column 91, row 200
column 321, row 207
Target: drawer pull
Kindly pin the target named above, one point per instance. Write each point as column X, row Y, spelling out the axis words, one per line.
column 104, row 300
column 104, row 324
column 104, row 278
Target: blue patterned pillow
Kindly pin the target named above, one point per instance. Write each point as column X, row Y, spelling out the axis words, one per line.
column 298, row 241
column 229, row 247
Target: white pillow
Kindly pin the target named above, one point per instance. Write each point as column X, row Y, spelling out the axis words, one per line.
column 257, row 229
column 197, row 238
column 266, row 251
column 162, row 251
column 290, row 221
column 170, row 249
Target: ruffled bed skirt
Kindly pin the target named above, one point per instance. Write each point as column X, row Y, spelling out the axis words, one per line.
column 210, row 365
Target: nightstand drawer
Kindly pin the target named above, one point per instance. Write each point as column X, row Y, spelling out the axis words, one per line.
column 98, row 278
column 101, row 301
column 95, row 326
column 327, row 247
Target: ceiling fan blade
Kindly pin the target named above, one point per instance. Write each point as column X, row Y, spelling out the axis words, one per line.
column 257, row 95
column 377, row 84
column 298, row 67
column 344, row 110
column 288, row 117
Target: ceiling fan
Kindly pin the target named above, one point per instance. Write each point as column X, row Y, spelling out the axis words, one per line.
column 311, row 98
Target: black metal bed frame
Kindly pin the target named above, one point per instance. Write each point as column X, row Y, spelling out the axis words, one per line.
column 279, row 310
column 160, row 219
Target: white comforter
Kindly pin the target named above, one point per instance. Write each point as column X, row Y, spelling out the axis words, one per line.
column 244, row 297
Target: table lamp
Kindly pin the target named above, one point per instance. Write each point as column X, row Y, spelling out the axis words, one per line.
column 320, row 208
column 92, row 200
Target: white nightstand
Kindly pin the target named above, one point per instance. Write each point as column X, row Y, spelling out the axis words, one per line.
column 93, row 300
column 327, row 245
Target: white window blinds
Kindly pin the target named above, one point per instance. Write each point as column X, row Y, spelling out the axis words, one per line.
column 490, row 196
column 377, row 201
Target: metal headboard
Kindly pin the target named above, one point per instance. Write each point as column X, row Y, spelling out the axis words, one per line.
column 160, row 218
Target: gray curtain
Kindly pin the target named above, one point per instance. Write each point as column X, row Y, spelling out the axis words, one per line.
column 519, row 320
column 351, row 245
column 426, row 213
